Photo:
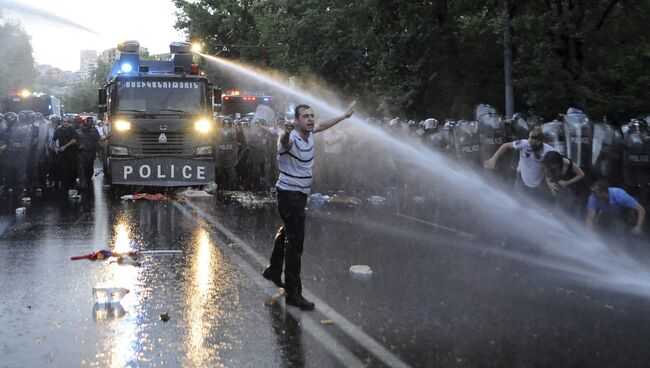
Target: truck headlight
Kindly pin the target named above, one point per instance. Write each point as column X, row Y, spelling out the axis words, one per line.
column 119, row 151
column 203, row 126
column 122, row 125
column 204, row 151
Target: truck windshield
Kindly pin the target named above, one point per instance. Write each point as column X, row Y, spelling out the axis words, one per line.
column 160, row 96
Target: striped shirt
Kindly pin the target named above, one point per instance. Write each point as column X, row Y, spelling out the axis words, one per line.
column 296, row 163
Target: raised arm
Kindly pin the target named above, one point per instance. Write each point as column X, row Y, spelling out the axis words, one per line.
column 324, row 125
column 285, row 136
column 492, row 162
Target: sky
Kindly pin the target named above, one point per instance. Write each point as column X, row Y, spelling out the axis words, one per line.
column 60, row 29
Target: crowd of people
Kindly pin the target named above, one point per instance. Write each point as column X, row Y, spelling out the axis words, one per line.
column 38, row 152
column 564, row 164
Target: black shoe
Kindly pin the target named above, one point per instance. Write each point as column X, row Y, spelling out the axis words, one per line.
column 299, row 301
column 273, row 276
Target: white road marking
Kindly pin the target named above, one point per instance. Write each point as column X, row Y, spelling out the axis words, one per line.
column 347, row 358
column 353, row 331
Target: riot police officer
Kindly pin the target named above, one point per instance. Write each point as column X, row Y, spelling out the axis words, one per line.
column 19, row 149
column 65, row 142
column 40, row 155
column 88, row 144
column 3, row 147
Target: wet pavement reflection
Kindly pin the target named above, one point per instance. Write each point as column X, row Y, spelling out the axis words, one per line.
column 216, row 315
column 435, row 298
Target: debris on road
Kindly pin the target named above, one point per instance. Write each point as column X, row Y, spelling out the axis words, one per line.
column 319, row 198
column 326, row 322
column 345, row 201
column 127, row 257
column 193, row 193
column 161, row 251
column 164, row 317
column 376, row 200
column 211, row 188
column 103, row 254
column 126, row 260
column 149, row 197
column 107, row 293
column 361, row 270
column 247, row 199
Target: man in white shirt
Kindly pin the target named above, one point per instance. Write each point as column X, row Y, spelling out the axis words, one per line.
column 530, row 170
column 295, row 162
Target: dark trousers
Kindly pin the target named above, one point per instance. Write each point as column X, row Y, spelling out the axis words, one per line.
column 68, row 169
column 289, row 239
column 86, row 168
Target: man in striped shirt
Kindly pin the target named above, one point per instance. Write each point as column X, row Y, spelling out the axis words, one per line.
column 295, row 162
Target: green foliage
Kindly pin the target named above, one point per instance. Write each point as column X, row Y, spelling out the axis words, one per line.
column 17, row 69
column 441, row 57
column 82, row 98
column 101, row 73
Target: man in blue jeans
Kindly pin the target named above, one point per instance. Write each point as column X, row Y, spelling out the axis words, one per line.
column 295, row 162
column 608, row 207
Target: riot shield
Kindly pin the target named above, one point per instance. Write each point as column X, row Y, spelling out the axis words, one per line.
column 636, row 153
column 554, row 136
column 606, row 152
column 491, row 130
column 466, row 142
column 578, row 131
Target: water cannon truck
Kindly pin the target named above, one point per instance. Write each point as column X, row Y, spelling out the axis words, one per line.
column 161, row 130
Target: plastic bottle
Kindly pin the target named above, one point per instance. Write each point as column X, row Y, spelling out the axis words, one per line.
column 103, row 293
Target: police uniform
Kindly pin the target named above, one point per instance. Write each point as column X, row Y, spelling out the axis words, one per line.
column 88, row 145
column 67, row 159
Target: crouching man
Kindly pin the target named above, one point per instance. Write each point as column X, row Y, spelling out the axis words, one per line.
column 609, row 207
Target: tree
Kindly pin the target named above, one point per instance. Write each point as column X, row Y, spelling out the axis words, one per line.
column 17, row 70
column 440, row 57
column 82, row 98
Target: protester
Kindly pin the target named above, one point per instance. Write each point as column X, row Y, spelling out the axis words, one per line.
column 609, row 207
column 530, row 170
column 564, row 178
column 295, row 161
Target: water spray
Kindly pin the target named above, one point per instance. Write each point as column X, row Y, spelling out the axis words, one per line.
column 570, row 247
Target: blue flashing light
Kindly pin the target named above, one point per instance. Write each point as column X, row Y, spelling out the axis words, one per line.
column 49, row 107
column 126, row 68
column 266, row 98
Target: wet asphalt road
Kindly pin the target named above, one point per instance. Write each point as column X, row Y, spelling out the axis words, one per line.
column 436, row 299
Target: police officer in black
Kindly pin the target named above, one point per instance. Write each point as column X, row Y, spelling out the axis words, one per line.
column 88, row 146
column 19, row 150
column 4, row 130
column 65, row 141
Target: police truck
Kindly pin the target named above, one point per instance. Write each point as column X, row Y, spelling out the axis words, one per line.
column 35, row 101
column 160, row 125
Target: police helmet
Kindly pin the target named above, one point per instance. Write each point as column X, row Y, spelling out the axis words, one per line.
column 535, row 120
column 573, row 110
column 430, row 124
column 38, row 116
column 11, row 117
column 2, row 116
column 25, row 117
column 637, row 125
